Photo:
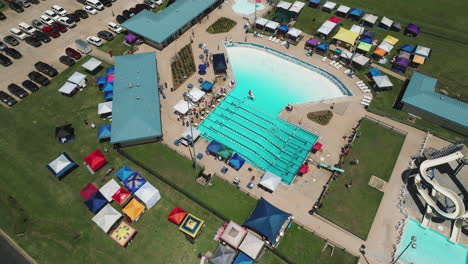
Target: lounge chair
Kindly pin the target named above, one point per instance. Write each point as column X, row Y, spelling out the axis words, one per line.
column 366, row 100
column 347, row 71
column 277, row 40
column 366, row 91
column 358, row 82
column 261, row 35
column 367, row 97
column 365, row 103
column 324, row 59
column 332, row 63
column 338, row 66
column 270, row 38
column 362, row 85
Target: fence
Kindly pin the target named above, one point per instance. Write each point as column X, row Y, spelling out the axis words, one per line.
column 378, row 122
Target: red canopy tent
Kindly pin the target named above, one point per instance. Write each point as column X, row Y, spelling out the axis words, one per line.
column 317, row 147
column 121, row 196
column 303, row 169
column 334, row 19
column 95, row 160
column 177, row 215
column 88, row 190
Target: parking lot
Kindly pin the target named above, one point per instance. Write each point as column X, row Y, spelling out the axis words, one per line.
column 50, row 52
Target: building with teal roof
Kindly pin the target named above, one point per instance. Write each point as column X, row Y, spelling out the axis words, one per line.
column 420, row 99
column 136, row 115
column 160, row 29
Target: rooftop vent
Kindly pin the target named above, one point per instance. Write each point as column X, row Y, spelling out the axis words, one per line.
column 130, row 85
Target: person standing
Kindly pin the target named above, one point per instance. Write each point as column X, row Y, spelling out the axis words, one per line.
column 110, row 53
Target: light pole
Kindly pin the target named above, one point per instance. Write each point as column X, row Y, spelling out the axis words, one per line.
column 194, row 158
column 412, row 243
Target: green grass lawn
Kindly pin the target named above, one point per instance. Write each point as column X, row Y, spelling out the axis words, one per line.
column 5, row 6
column 303, row 247
column 354, row 209
column 117, row 45
column 182, row 66
column 222, row 25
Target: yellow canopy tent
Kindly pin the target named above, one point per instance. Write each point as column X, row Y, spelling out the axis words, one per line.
column 346, row 36
column 391, row 40
column 419, row 59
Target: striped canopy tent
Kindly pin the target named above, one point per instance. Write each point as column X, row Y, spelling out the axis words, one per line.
column 191, row 225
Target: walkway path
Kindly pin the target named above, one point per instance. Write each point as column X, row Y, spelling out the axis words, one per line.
column 11, row 253
column 389, row 72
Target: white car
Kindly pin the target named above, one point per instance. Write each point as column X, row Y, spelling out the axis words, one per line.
column 159, row 2
column 67, row 22
column 18, row 33
column 59, row 10
column 46, row 20
column 52, row 15
column 90, row 10
column 26, row 28
column 94, row 41
column 116, row 28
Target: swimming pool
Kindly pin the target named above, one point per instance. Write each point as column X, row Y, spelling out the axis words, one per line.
column 246, row 7
column 431, row 247
column 252, row 127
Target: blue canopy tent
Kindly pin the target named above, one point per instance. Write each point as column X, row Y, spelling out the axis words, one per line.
column 101, row 80
column 124, row 173
column 355, row 13
column 207, row 86
column 61, row 165
column 108, row 95
column 236, row 161
column 314, row 3
column 243, row 259
column 110, row 70
column 267, row 220
column 323, row 47
column 374, row 72
column 219, row 63
column 283, row 29
column 408, row 48
column 96, row 202
column 104, row 131
column 214, row 147
column 134, row 182
column 108, row 87
column 366, row 39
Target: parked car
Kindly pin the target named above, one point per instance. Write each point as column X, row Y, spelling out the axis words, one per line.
column 106, row 35
column 33, row 41
column 60, row 27
column 81, row 13
column 18, row 91
column 26, row 28
column 73, row 53
column 28, row 84
column 46, row 69
column 127, row 14
column 116, row 28
column 38, row 78
column 144, row 6
column 3, row 46
column 94, row 41
column 90, row 10
column 16, row 7
column 74, row 17
column 7, row 99
column 81, row 1
column 36, row 2
column 46, row 20
column 5, row 61
column 106, row 3
column 52, row 14
column 10, row 39
column 18, row 33
column 37, row 24
column 67, row 60
column 159, row 2
column 2, row 16
column 43, row 37
column 13, row 53
column 67, row 22
column 120, row 19
column 23, row 3
column 59, row 10
column 51, row 31
column 150, row 3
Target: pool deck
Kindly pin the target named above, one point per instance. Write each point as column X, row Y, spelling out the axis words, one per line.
column 299, row 197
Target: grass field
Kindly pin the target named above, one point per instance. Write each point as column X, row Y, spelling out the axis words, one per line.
column 354, row 209
column 222, row 25
column 302, row 247
column 117, row 45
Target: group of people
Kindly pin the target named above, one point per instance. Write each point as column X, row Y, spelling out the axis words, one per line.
column 289, row 107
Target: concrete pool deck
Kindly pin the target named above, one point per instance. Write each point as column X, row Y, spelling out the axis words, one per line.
column 299, row 197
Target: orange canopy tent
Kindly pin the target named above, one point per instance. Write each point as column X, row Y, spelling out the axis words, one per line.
column 177, row 215
column 134, row 209
column 380, row 52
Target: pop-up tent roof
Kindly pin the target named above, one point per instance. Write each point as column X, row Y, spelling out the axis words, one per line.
column 88, row 191
column 191, row 225
column 356, row 28
column 95, row 202
column 261, row 21
column 418, row 59
column 383, row 82
column 385, row 46
column 109, row 189
column 346, row 36
column 243, row 259
column 219, row 63
column 68, row 88
column 375, row 72
column 206, row 86
column 267, row 220
column 182, row 107
column 327, row 27
column 195, row 94
column 148, row 194
column 387, row 22
column 107, row 217
column 95, row 160
column 233, row 234
column 108, row 87
column 104, row 131
column 121, row 195
column 187, row 134
column 423, row 51
column 371, row 19
column 134, row 209
column 61, row 165
column 346, row 54
column 283, row 28
column 315, row 1
column 101, row 79
column 360, row 59
column 78, row 78
column 236, row 161
column 355, row 12
column 391, row 40
column 404, row 54
column 294, row 32
column 105, row 108
column 412, row 28
column 323, row 46
column 92, row 64
column 312, row 42
column 110, row 70
column 297, row 7
column 252, row 245
column 284, row 5
column 66, row 131
column 364, row 46
column 223, row 255
column 272, row 25
column 329, row 5
column 343, row 9
column 270, row 181
column 134, row 182
column 225, row 152
column 124, row 173
column 408, row 48
column 214, row 147
column 177, row 215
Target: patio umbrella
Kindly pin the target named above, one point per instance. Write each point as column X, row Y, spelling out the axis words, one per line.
column 202, row 67
column 134, row 182
column 108, row 87
column 201, row 56
column 200, row 45
column 124, row 173
column 206, row 51
column 190, row 85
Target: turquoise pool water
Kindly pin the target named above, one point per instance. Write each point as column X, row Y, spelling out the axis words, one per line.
column 432, row 247
column 246, row 7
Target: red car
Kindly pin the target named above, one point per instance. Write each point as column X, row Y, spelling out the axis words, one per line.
column 51, row 31
column 73, row 53
column 60, row 27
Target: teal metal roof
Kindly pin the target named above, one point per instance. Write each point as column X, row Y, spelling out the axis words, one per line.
column 421, row 93
column 135, row 110
column 159, row 27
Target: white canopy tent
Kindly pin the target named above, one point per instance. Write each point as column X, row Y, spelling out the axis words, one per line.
column 261, row 21
column 272, row 25
column 252, row 245
column 383, row 82
column 297, row 7
column 270, row 181
column 371, row 19
column 346, row 54
column 423, row 51
column 357, row 29
column 360, row 59
column 78, row 78
column 60, row 165
column 187, row 134
column 329, row 5
column 386, row 46
column 105, row 108
column 67, row 88
column 109, row 189
column 343, row 9
column 284, row 5
column 233, row 234
column 294, row 32
column 107, row 217
column 148, row 194
column 386, row 21
column 196, row 94
column 183, row 107
column 327, row 27
column 92, row 64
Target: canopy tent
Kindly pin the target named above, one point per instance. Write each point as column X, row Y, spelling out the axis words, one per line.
column 296, row 7
column 327, row 27
column 404, row 54
column 342, row 10
column 107, row 217
column 370, row 19
column 368, row 33
column 283, row 5
column 364, row 46
column 317, row 146
column 177, row 215
column 243, row 259
column 236, row 161
column 346, row 36
column 233, row 234
column 225, row 152
column 261, row 21
column 95, row 160
column 385, row 46
column 66, row 132
column 303, row 169
column 380, row 52
column 110, row 70
column 283, row 29
column 360, row 61
column 219, row 63
column 61, row 165
column 267, row 220
column 314, row 3
column 272, row 25
column 391, row 40
column 123, row 233
column 134, row 182
column 207, row 86
column 92, row 64
column 423, row 51
column 68, row 88
column 130, row 38
column 396, row 26
column 148, row 194
column 108, row 87
column 383, row 82
column 108, row 96
column 121, row 196
column 223, row 255
column 419, row 59
column 367, row 39
column 407, row 48
column 252, row 245
column 110, row 77
column 385, row 23
column 195, row 94
column 187, row 134
column 88, row 191
column 124, row 173
column 323, row 46
column 214, row 147
column 328, row 6
column 104, row 108
column 346, row 55
column 134, row 209
column 334, row 19
column 191, row 225
column 294, row 32
column 356, row 13
column 95, row 202
column 78, row 78
column 109, row 189
column 101, row 79
column 400, row 64
column 182, row 107
column 412, row 29
column 374, row 72
column 312, row 42
column 270, row 181
column 104, row 131
column 357, row 29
